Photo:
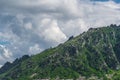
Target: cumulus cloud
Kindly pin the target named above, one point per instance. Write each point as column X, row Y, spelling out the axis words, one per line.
column 5, row 53
column 34, row 49
column 31, row 26
column 52, row 32
column 0, row 66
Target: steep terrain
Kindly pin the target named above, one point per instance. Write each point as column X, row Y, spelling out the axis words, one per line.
column 92, row 55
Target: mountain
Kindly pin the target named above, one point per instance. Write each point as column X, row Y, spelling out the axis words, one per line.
column 93, row 55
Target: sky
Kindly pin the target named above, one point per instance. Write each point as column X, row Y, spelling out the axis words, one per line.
column 117, row 1
column 31, row 26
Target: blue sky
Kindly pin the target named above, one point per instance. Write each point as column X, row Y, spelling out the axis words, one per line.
column 30, row 26
column 117, row 1
column 4, row 42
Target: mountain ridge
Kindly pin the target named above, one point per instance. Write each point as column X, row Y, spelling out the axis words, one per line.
column 94, row 53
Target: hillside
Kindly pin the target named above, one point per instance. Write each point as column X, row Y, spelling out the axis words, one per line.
column 94, row 54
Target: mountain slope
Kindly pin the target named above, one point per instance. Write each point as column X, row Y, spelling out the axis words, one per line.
column 92, row 54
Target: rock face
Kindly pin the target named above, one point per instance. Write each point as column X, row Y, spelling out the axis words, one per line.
column 94, row 54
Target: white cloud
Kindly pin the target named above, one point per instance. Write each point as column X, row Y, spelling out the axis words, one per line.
column 35, row 49
column 74, row 27
column 0, row 66
column 52, row 32
column 28, row 25
column 34, row 25
column 5, row 54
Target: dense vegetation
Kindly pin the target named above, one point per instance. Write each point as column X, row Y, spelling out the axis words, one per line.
column 92, row 55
